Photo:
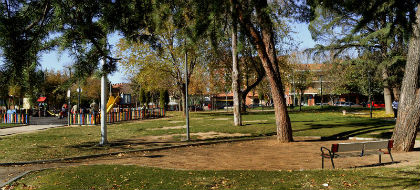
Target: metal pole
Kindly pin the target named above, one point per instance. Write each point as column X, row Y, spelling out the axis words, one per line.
column 78, row 96
column 370, row 95
column 294, row 89
column 187, row 119
column 226, row 92
column 69, row 105
column 322, row 97
column 226, row 104
column 103, row 108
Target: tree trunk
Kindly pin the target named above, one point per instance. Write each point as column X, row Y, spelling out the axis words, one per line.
column 408, row 119
column 300, row 101
column 236, row 83
column 396, row 93
column 387, row 92
column 263, row 41
column 284, row 127
column 388, row 100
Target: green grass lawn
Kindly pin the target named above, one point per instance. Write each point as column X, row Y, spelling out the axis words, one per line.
column 8, row 125
column 83, row 140
column 136, row 177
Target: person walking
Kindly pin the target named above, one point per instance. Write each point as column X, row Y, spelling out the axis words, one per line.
column 94, row 107
column 395, row 108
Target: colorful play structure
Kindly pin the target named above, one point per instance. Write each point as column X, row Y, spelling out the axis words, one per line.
column 14, row 118
column 116, row 114
column 125, row 114
column 112, row 101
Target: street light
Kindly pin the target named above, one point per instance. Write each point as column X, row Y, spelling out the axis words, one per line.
column 69, row 96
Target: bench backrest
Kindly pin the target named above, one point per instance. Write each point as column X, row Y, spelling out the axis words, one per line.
column 359, row 146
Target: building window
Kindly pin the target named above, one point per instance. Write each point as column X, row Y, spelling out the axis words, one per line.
column 126, row 99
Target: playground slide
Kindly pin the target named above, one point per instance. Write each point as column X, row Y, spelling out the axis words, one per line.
column 111, row 103
column 51, row 113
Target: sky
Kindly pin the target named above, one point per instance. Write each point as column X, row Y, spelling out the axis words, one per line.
column 54, row 61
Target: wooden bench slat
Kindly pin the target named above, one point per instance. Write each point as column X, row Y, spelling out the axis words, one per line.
column 376, row 145
column 347, row 147
column 363, row 148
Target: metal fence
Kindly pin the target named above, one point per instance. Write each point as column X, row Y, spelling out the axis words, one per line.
column 116, row 116
column 14, row 118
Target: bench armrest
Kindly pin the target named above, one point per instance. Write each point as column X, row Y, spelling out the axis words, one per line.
column 324, row 154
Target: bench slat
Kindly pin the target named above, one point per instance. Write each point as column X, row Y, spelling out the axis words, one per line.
column 347, row 147
column 376, row 145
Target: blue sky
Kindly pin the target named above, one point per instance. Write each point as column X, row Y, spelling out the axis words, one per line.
column 52, row 60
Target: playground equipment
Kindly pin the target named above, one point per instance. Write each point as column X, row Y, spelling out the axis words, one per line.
column 126, row 114
column 16, row 118
column 112, row 101
column 53, row 114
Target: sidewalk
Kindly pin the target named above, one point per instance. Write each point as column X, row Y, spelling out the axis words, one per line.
column 25, row 129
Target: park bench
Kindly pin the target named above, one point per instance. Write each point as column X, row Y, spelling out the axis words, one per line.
column 357, row 149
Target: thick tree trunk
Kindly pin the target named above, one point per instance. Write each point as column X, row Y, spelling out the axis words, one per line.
column 263, row 41
column 284, row 127
column 408, row 120
column 388, row 100
column 387, row 92
column 396, row 93
column 236, row 83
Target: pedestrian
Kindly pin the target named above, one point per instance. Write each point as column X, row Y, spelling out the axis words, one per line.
column 94, row 107
column 395, row 107
column 74, row 109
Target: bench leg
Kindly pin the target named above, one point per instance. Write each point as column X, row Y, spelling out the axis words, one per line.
column 380, row 160
column 322, row 162
column 332, row 163
column 390, row 155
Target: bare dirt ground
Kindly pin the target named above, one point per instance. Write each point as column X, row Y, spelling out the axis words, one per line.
column 265, row 154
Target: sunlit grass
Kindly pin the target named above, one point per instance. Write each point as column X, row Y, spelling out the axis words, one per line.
column 136, row 177
column 84, row 140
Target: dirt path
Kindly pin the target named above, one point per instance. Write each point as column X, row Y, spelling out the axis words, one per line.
column 251, row 155
column 265, row 154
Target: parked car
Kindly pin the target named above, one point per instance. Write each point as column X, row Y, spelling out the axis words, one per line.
column 377, row 105
column 339, row 103
column 324, row 104
column 346, row 104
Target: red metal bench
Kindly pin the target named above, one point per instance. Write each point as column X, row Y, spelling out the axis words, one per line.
column 357, row 149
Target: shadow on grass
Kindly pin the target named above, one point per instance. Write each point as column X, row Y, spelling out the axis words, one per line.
column 408, row 180
column 215, row 114
column 121, row 144
column 261, row 123
column 384, row 135
column 361, row 128
column 312, row 109
column 376, row 165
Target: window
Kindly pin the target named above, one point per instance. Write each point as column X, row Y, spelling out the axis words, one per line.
column 126, row 99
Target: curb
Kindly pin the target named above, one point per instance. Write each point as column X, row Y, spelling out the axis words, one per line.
column 20, row 176
column 366, row 139
column 16, row 178
column 132, row 151
column 9, row 134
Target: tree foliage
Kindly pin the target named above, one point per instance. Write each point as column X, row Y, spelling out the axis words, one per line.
column 24, row 34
